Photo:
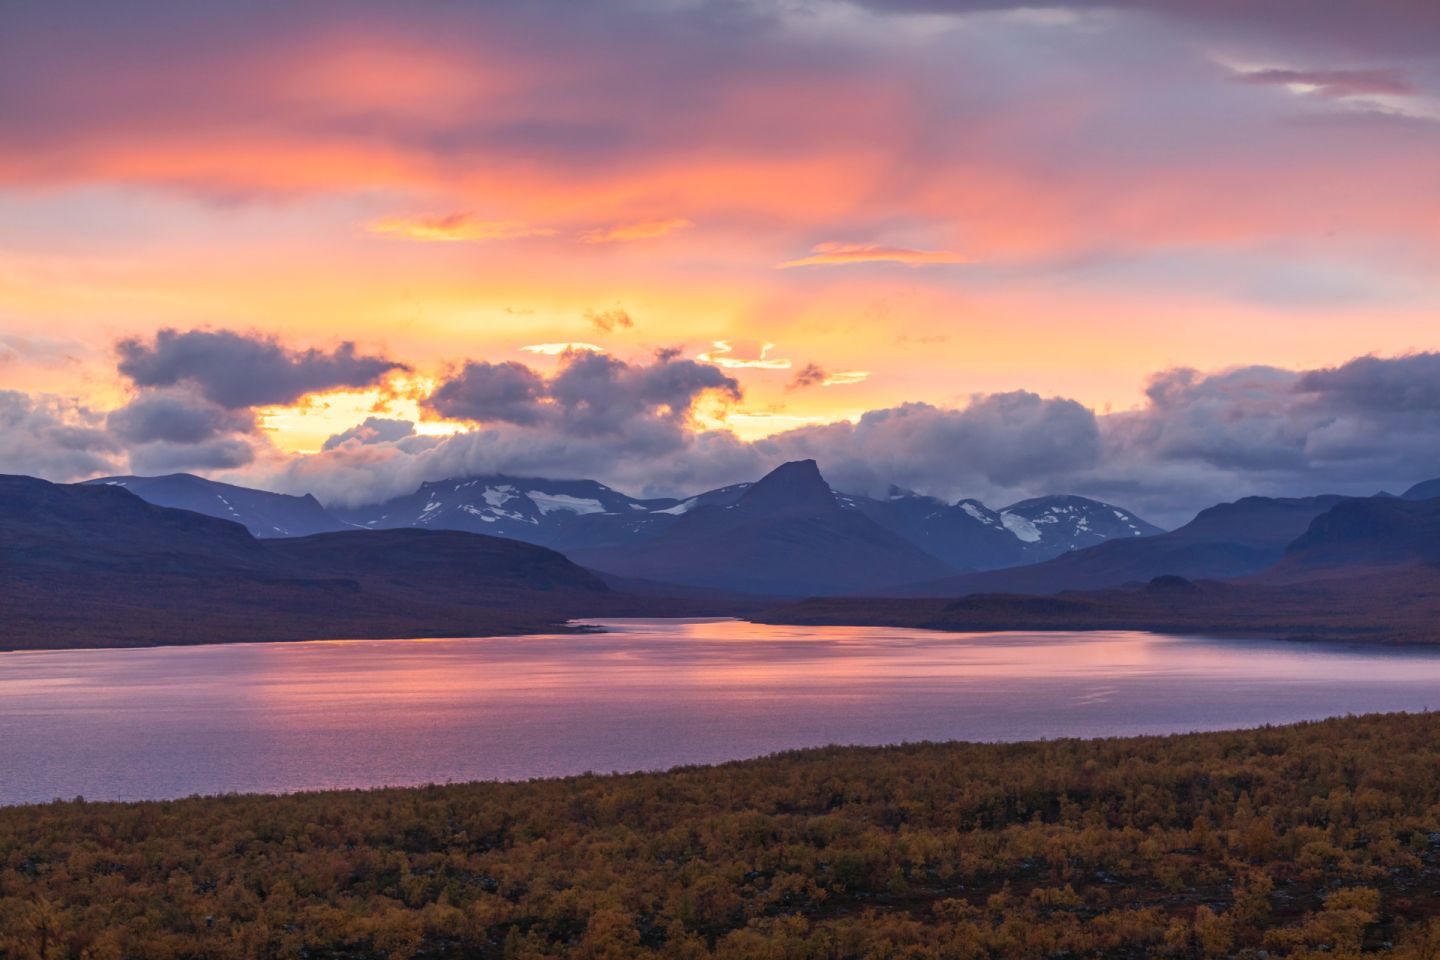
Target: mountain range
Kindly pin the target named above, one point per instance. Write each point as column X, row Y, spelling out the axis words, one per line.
column 98, row 563
column 1360, row 569
column 586, row 519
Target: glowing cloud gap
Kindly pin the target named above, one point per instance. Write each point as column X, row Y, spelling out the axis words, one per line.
column 719, row 356
column 639, row 230
column 845, row 377
column 841, row 254
column 455, row 228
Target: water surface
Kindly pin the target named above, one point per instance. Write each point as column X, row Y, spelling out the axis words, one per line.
column 173, row 721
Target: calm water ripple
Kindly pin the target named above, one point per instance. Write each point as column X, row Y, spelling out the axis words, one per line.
column 173, row 721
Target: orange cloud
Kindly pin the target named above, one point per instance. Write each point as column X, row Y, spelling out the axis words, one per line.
column 639, row 230
column 812, row 375
column 455, row 227
column 839, row 254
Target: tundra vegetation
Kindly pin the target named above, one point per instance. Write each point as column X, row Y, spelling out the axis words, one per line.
column 1319, row 839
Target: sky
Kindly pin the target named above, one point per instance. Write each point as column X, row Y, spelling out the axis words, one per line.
column 1162, row 253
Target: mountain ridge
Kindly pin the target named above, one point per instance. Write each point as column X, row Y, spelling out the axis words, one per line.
column 786, row 535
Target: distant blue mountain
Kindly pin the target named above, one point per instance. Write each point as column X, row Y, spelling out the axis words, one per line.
column 263, row 513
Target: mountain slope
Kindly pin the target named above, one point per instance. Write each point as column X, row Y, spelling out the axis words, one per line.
column 98, row 566
column 966, row 535
column 786, row 535
column 263, row 513
column 1371, row 532
column 1424, row 490
column 1227, row 540
column 1364, row 569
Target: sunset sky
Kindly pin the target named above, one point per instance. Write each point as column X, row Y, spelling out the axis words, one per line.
column 1163, row 253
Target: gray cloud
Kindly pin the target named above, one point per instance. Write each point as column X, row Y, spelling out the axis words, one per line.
column 164, row 457
column 239, row 370
column 599, row 394
column 50, row 437
column 995, row 445
column 590, row 394
column 508, row 392
column 175, row 416
column 373, row 430
column 1408, row 384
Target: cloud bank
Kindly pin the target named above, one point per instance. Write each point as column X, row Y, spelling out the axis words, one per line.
column 1198, row 438
column 238, row 370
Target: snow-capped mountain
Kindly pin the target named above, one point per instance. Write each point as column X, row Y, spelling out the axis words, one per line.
column 969, row 535
column 1061, row 523
column 263, row 513
column 565, row 514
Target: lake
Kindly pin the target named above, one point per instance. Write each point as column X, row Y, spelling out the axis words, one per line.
column 645, row 694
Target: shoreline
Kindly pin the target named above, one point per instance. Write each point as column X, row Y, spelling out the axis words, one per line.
column 804, row 754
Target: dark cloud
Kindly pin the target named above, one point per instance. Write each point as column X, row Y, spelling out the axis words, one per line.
column 176, row 417
column 508, row 392
column 49, row 437
column 373, row 430
column 238, row 370
column 1338, row 83
column 810, row 375
column 607, row 321
column 164, row 457
column 598, row 394
column 590, row 394
column 1400, row 385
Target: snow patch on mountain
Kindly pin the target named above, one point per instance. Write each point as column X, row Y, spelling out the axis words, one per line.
column 553, row 502
column 1022, row 528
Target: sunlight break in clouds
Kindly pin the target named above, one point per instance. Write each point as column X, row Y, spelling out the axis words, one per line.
column 455, row 227
column 839, row 254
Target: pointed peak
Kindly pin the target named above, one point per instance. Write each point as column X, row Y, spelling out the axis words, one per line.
column 794, row 485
